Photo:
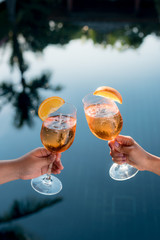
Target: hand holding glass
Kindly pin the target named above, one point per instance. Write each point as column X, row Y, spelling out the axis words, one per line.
column 105, row 122
column 57, row 135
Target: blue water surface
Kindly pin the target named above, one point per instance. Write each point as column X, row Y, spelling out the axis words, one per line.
column 91, row 205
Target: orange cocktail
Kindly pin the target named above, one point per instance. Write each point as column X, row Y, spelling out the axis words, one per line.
column 57, row 135
column 58, row 132
column 105, row 122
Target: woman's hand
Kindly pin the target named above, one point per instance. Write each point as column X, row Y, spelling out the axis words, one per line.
column 38, row 162
column 125, row 149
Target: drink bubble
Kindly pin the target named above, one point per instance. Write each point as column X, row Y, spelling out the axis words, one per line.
column 105, row 121
column 101, row 110
column 59, row 122
column 57, row 132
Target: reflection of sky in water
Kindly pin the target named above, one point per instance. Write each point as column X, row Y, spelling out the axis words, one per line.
column 94, row 206
column 81, row 63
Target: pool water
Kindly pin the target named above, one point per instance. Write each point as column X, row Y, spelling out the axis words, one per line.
column 91, row 205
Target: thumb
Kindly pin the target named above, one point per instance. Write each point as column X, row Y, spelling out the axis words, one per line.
column 41, row 152
column 124, row 140
column 123, row 144
column 122, row 149
column 48, row 160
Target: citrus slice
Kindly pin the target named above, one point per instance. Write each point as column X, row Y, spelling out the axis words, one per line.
column 109, row 92
column 48, row 106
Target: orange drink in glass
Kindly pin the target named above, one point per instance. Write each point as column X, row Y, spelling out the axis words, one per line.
column 57, row 135
column 105, row 122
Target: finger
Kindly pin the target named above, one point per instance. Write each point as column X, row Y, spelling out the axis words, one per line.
column 111, row 144
column 58, row 165
column 41, row 152
column 57, row 156
column 115, row 160
column 124, row 140
column 123, row 149
column 115, row 154
column 123, row 158
column 50, row 159
column 47, row 161
column 54, row 159
column 122, row 146
column 55, row 170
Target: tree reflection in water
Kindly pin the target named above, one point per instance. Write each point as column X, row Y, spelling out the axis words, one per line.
column 42, row 22
column 18, row 210
column 16, row 233
column 27, row 100
column 27, row 207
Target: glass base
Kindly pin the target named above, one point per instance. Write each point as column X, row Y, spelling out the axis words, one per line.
column 46, row 186
column 122, row 172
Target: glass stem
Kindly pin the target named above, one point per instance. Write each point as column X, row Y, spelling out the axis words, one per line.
column 47, row 179
column 49, row 169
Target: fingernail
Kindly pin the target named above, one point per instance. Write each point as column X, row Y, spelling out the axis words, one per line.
column 109, row 145
column 120, row 155
column 116, row 144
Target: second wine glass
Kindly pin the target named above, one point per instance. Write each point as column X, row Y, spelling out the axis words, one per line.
column 57, row 135
column 105, row 122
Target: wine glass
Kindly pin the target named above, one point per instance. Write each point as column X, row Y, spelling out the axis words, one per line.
column 105, row 122
column 57, row 135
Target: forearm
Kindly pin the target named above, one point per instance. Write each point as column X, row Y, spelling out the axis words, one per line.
column 8, row 171
column 153, row 164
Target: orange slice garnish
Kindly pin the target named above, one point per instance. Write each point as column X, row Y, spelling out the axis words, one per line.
column 49, row 106
column 109, row 92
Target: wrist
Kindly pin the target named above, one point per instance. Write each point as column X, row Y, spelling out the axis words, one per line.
column 13, row 169
column 18, row 166
column 16, row 169
column 153, row 164
column 148, row 160
column 8, row 171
